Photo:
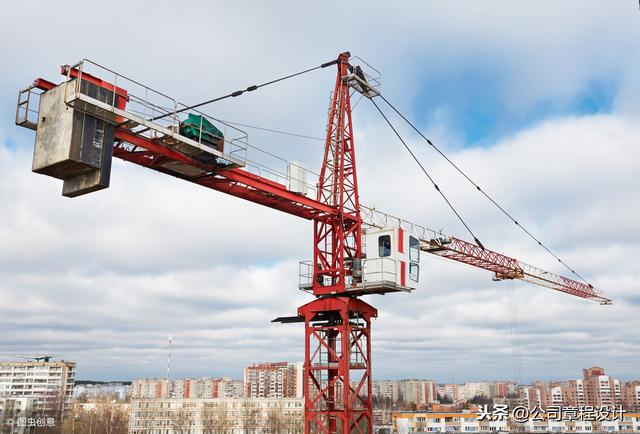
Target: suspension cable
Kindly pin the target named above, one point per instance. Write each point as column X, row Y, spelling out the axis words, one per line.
column 271, row 130
column 248, row 89
column 493, row 201
column 429, row 176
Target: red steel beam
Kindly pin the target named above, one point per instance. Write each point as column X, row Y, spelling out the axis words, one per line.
column 235, row 182
column 74, row 73
column 506, row 267
column 503, row 266
column 43, row 84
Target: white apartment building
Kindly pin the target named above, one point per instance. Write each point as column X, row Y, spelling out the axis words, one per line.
column 532, row 397
column 385, row 389
column 470, row 390
column 419, row 392
column 222, row 415
column 579, row 392
column 206, row 388
column 274, row 380
column 50, row 383
column 556, row 395
column 431, row 422
column 12, row 409
column 417, row 422
column 101, row 390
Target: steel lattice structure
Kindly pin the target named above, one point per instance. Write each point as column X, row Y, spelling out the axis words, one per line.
column 337, row 365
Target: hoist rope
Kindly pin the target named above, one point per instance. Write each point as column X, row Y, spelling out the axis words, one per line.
column 428, row 176
column 491, row 199
column 248, row 89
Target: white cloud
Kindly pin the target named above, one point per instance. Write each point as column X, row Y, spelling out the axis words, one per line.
column 75, row 291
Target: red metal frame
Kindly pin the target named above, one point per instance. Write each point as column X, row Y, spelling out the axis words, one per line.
column 506, row 267
column 338, row 239
column 43, row 84
column 337, row 367
column 66, row 70
column 468, row 253
column 235, row 182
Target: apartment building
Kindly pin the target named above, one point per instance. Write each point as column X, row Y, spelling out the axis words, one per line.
column 631, row 396
column 419, row 392
column 49, row 383
column 594, row 389
column 273, row 380
column 424, row 422
column 118, row 391
column 450, row 390
column 150, row 388
column 385, row 390
column 221, row 415
column 573, row 393
column 490, row 389
column 205, row 388
column 469, row 390
column 502, row 389
column 536, row 395
column 428, row 422
column 12, row 409
column 601, row 389
column 221, row 388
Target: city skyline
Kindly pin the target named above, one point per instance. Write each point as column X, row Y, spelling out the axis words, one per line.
column 547, row 122
column 444, row 381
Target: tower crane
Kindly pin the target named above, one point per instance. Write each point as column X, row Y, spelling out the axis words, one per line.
column 95, row 114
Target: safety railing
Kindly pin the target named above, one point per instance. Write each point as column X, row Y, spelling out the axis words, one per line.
column 375, row 272
column 278, row 172
column 305, row 274
column 379, row 271
column 374, row 218
column 27, row 107
column 364, row 78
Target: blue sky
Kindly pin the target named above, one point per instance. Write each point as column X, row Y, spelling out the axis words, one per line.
column 477, row 107
column 537, row 101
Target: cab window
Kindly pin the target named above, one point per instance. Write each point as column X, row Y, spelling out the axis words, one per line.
column 414, row 249
column 414, row 272
column 384, row 245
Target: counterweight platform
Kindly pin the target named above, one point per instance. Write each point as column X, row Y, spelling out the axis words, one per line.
column 156, row 117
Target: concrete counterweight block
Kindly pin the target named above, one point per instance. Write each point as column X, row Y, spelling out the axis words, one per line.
column 71, row 145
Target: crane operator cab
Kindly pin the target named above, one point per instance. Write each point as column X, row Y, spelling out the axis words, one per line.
column 392, row 261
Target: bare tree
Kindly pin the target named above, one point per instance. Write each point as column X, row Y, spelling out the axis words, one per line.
column 216, row 420
column 251, row 417
column 105, row 418
column 276, row 419
column 85, row 422
column 297, row 424
column 181, row 420
column 112, row 419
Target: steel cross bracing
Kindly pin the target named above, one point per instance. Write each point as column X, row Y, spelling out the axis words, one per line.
column 338, row 365
column 338, row 239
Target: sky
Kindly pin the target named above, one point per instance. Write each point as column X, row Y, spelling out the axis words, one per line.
column 538, row 101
